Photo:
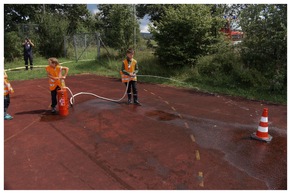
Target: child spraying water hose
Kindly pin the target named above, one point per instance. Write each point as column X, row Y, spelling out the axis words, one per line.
column 129, row 76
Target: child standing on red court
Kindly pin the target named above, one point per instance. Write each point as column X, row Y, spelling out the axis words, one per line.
column 54, row 73
column 7, row 91
column 129, row 76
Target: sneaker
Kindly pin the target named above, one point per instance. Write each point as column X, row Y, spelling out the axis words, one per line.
column 8, row 117
column 53, row 110
column 129, row 101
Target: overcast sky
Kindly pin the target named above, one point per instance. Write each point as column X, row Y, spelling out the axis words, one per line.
column 143, row 23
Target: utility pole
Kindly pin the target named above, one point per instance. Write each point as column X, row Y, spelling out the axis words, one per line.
column 134, row 22
column 43, row 11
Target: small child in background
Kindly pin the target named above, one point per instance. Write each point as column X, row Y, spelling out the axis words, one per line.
column 7, row 91
column 54, row 73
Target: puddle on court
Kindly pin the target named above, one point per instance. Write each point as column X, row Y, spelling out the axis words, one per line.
column 161, row 115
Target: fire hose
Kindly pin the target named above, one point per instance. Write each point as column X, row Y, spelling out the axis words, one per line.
column 72, row 99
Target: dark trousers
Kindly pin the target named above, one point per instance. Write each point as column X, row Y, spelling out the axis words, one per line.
column 132, row 86
column 30, row 58
column 54, row 96
column 6, row 103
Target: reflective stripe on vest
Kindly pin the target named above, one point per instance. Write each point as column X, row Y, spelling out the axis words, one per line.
column 7, row 87
column 6, row 91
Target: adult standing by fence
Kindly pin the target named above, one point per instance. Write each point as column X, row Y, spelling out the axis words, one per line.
column 27, row 53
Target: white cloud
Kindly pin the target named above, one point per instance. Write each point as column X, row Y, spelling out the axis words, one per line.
column 144, row 24
column 93, row 8
column 95, row 11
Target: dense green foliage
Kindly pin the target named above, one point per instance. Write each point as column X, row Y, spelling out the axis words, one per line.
column 12, row 46
column 187, row 43
column 265, row 47
column 46, row 25
column 17, row 14
column 185, row 38
column 184, row 34
column 117, row 24
column 51, row 32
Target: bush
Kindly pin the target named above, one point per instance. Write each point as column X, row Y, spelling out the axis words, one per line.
column 225, row 69
column 12, row 46
column 52, row 31
column 183, row 35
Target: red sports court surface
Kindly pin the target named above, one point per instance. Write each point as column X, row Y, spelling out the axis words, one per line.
column 178, row 139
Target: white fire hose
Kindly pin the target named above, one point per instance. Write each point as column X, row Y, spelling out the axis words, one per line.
column 72, row 99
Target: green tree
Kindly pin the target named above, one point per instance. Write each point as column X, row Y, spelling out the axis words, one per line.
column 15, row 14
column 77, row 15
column 155, row 11
column 118, row 23
column 17, row 25
column 12, row 50
column 183, row 34
column 265, row 45
column 52, row 29
column 45, row 24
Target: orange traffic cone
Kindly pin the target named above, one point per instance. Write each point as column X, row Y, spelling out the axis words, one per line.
column 262, row 132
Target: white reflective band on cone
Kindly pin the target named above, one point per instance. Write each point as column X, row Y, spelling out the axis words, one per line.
column 263, row 129
column 264, row 119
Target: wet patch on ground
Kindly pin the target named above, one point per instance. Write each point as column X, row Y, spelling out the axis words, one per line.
column 161, row 115
column 47, row 116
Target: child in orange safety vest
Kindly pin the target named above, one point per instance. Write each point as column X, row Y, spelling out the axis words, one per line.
column 7, row 91
column 128, row 73
column 54, row 73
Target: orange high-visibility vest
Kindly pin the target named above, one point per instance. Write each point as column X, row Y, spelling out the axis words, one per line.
column 7, row 87
column 55, row 72
column 126, row 78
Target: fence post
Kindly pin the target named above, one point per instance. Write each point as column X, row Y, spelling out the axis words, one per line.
column 64, row 46
column 99, row 45
column 86, row 44
column 75, row 47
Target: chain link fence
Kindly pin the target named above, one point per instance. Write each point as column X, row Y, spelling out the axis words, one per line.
column 85, row 46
